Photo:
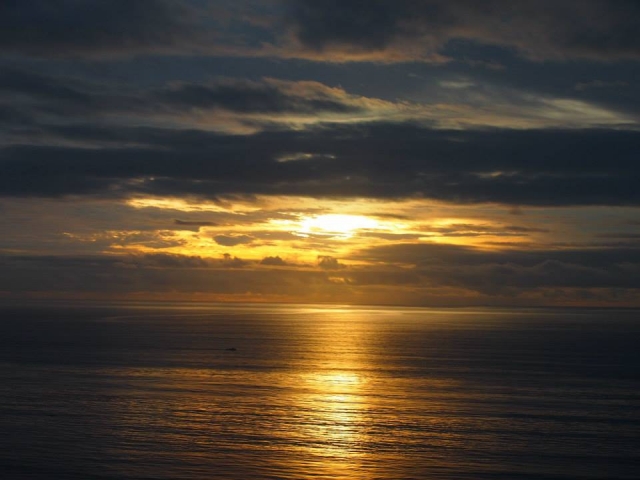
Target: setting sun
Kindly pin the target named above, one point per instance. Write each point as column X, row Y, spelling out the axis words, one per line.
column 336, row 225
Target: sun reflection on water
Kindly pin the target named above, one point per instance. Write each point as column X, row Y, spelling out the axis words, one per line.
column 334, row 430
column 335, row 400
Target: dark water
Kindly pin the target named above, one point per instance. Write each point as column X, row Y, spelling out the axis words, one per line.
column 153, row 393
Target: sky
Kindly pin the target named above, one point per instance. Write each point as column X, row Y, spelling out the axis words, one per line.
column 424, row 153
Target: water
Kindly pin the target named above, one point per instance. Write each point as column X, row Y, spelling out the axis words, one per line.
column 150, row 392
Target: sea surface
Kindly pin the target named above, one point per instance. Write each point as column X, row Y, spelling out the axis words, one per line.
column 309, row 392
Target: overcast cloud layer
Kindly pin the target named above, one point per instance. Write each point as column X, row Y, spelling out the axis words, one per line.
column 202, row 139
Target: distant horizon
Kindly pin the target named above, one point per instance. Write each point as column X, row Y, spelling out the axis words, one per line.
column 24, row 302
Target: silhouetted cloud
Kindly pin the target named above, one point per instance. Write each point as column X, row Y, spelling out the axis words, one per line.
column 191, row 223
column 233, row 240
column 405, row 29
column 230, row 261
column 327, row 262
column 76, row 96
column 518, row 270
column 571, row 167
column 560, row 277
column 273, row 261
column 94, row 27
column 268, row 96
column 329, row 30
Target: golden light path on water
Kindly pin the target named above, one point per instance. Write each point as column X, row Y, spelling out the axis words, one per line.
column 335, row 432
column 336, row 400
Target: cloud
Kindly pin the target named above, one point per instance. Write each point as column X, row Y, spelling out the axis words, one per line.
column 163, row 260
column 620, row 236
column 327, row 262
column 267, row 96
column 401, row 30
column 273, row 261
column 148, row 275
column 331, row 30
column 233, row 240
column 476, row 230
column 52, row 103
column 232, row 262
column 94, row 27
column 435, row 274
column 601, row 84
column 380, row 276
column 190, row 223
column 544, row 167
column 494, row 271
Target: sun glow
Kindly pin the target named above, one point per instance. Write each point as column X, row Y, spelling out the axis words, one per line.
column 337, row 225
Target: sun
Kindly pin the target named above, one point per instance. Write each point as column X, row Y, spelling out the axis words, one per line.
column 336, row 225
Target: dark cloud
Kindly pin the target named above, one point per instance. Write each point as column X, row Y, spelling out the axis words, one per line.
column 54, row 99
column 498, row 271
column 161, row 274
column 476, row 230
column 392, row 236
column 404, row 29
column 256, row 97
column 382, row 277
column 327, row 262
column 94, row 27
column 161, row 260
column 442, row 254
column 559, row 277
column 233, row 240
column 601, row 84
column 24, row 82
column 620, row 235
column 519, row 229
column 191, row 223
column 59, row 99
column 369, row 26
column 273, row 261
column 230, row 261
column 333, row 30
column 543, row 167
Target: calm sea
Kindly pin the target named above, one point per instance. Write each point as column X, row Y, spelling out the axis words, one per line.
column 304, row 392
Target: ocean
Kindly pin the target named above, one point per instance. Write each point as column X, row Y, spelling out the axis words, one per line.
column 151, row 391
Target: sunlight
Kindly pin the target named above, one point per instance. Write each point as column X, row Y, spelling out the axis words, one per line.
column 336, row 225
column 236, row 207
column 338, row 406
column 339, row 379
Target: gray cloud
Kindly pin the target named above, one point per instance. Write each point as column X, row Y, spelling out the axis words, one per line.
column 233, row 240
column 475, row 230
column 273, row 261
column 498, row 271
column 191, row 223
column 404, row 29
column 523, row 276
column 230, row 261
column 45, row 102
column 150, row 275
column 256, row 97
column 388, row 30
column 94, row 27
column 327, row 262
column 544, row 167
